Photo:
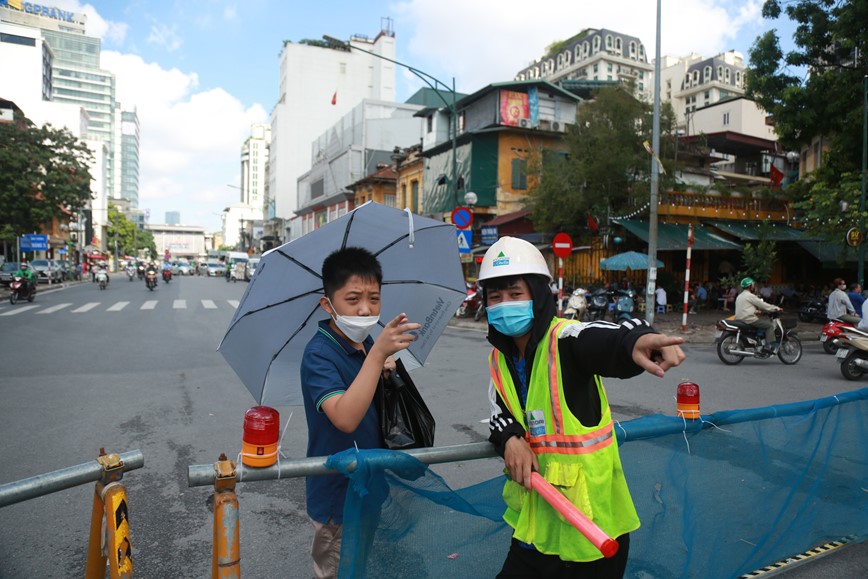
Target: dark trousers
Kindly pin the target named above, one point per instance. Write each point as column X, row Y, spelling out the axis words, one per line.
column 524, row 563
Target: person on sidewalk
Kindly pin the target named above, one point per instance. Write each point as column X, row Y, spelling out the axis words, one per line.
column 747, row 304
column 855, row 295
column 839, row 307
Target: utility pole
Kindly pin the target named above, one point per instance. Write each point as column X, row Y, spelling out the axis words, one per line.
column 652, row 217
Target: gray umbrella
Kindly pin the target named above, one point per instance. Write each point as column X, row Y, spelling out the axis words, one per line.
column 279, row 311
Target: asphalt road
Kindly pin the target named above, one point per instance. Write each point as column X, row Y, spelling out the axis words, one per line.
column 128, row 369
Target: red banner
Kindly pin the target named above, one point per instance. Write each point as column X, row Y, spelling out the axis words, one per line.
column 513, row 106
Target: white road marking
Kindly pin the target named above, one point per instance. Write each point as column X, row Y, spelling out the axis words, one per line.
column 179, row 305
column 16, row 311
column 149, row 305
column 209, row 305
column 118, row 307
column 85, row 308
column 233, row 303
column 53, row 309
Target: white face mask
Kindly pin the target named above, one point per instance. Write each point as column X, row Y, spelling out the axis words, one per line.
column 355, row 328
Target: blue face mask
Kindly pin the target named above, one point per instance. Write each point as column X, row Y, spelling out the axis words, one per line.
column 511, row 318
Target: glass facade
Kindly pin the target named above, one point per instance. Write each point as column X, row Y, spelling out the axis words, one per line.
column 129, row 169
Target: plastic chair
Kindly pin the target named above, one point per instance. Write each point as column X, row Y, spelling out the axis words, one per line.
column 661, row 309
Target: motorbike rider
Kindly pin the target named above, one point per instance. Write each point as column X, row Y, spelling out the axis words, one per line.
column 839, row 306
column 746, row 305
column 150, row 268
column 26, row 275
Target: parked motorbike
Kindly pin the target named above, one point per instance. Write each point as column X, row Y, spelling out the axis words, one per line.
column 472, row 304
column 167, row 275
column 625, row 305
column 831, row 333
column 739, row 340
column 853, row 353
column 813, row 310
column 577, row 305
column 599, row 304
column 18, row 291
column 102, row 279
column 151, row 280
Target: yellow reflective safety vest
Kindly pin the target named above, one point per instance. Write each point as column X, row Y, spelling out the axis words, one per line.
column 580, row 461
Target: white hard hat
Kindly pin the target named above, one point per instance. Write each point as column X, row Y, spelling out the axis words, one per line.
column 512, row 256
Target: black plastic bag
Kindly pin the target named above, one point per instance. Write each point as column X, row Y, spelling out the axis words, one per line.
column 405, row 420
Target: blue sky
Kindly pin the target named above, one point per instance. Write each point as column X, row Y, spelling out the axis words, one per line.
column 201, row 72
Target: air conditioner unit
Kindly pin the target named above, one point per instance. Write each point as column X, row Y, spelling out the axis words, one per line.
column 524, row 123
column 559, row 126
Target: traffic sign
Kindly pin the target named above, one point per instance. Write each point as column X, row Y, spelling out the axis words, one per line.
column 489, row 234
column 462, row 217
column 34, row 242
column 562, row 245
column 854, row 237
column 465, row 237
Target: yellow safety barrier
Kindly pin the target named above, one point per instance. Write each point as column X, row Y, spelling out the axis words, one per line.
column 109, row 542
column 226, row 553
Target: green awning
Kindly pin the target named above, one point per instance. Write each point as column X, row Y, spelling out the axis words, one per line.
column 750, row 231
column 673, row 237
column 829, row 253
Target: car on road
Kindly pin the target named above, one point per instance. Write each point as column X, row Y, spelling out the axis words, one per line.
column 46, row 268
column 216, row 269
column 185, row 268
column 250, row 270
column 6, row 271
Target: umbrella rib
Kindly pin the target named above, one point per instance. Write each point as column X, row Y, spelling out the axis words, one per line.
column 280, row 303
column 299, row 264
column 407, row 235
column 301, row 326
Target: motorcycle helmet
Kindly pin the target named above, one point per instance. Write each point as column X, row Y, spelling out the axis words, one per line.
column 747, row 282
column 513, row 256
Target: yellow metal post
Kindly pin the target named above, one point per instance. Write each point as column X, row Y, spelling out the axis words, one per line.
column 226, row 558
column 109, row 542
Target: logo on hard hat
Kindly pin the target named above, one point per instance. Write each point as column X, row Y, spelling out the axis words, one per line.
column 500, row 260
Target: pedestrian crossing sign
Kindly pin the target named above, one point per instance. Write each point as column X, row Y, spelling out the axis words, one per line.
column 464, row 240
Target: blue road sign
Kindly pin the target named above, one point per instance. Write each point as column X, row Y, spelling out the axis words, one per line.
column 489, row 234
column 465, row 237
column 34, row 242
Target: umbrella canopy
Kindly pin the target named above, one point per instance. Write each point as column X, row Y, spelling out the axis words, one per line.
column 280, row 310
column 627, row 260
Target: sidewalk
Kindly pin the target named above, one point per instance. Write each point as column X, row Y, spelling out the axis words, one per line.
column 699, row 329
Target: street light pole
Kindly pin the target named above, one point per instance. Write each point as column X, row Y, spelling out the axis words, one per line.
column 427, row 79
column 652, row 217
column 861, row 273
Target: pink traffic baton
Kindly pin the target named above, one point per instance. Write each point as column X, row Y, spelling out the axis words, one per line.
column 606, row 544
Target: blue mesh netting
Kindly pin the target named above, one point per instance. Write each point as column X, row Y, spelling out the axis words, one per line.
column 717, row 498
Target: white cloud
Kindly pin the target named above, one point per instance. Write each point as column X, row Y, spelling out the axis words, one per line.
column 108, row 30
column 230, row 12
column 489, row 41
column 166, row 36
column 190, row 139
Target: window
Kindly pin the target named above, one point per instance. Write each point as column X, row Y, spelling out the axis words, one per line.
column 414, row 195
column 404, row 196
column 737, row 78
column 632, row 48
column 720, row 73
column 727, row 76
column 596, row 43
column 618, row 44
column 596, row 67
column 578, row 52
column 707, row 94
column 15, row 39
column 587, row 48
column 608, row 41
column 519, row 174
column 725, row 119
column 389, row 199
column 609, row 67
column 429, row 120
column 706, row 74
column 695, row 76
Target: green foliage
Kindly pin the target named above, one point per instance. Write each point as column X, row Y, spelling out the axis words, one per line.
column 605, row 170
column 828, row 38
column 759, row 260
column 131, row 240
column 43, row 171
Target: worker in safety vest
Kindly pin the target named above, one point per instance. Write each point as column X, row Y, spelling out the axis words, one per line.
column 550, row 414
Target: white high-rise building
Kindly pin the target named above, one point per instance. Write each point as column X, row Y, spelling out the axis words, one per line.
column 319, row 85
column 254, row 159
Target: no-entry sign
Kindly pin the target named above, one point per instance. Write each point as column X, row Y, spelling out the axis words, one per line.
column 562, row 245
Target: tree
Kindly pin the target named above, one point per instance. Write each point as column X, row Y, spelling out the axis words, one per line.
column 604, row 168
column 130, row 239
column 43, row 171
column 831, row 40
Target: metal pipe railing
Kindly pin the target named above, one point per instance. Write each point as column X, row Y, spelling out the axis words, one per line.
column 199, row 475
column 65, row 478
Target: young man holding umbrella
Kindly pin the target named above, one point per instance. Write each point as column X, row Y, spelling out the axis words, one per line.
column 340, row 370
column 550, row 414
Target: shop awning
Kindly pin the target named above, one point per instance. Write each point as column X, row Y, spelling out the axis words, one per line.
column 751, row 231
column 829, row 253
column 673, row 237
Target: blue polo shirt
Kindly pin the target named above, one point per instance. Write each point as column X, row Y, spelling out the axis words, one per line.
column 328, row 367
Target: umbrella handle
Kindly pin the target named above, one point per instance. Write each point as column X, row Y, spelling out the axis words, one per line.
column 412, row 230
column 603, row 542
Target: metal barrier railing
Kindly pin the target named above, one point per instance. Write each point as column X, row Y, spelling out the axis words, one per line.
column 109, row 544
column 224, row 474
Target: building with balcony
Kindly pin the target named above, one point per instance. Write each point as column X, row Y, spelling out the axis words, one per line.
column 595, row 55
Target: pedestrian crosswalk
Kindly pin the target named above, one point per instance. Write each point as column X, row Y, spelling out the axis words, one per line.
column 119, row 306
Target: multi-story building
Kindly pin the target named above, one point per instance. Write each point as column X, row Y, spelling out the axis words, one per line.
column 319, row 84
column 595, row 55
column 180, row 241
column 692, row 82
column 351, row 149
column 254, row 159
column 126, row 161
column 173, row 218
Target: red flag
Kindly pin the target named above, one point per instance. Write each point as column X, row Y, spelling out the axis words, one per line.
column 776, row 175
column 335, row 98
column 592, row 224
